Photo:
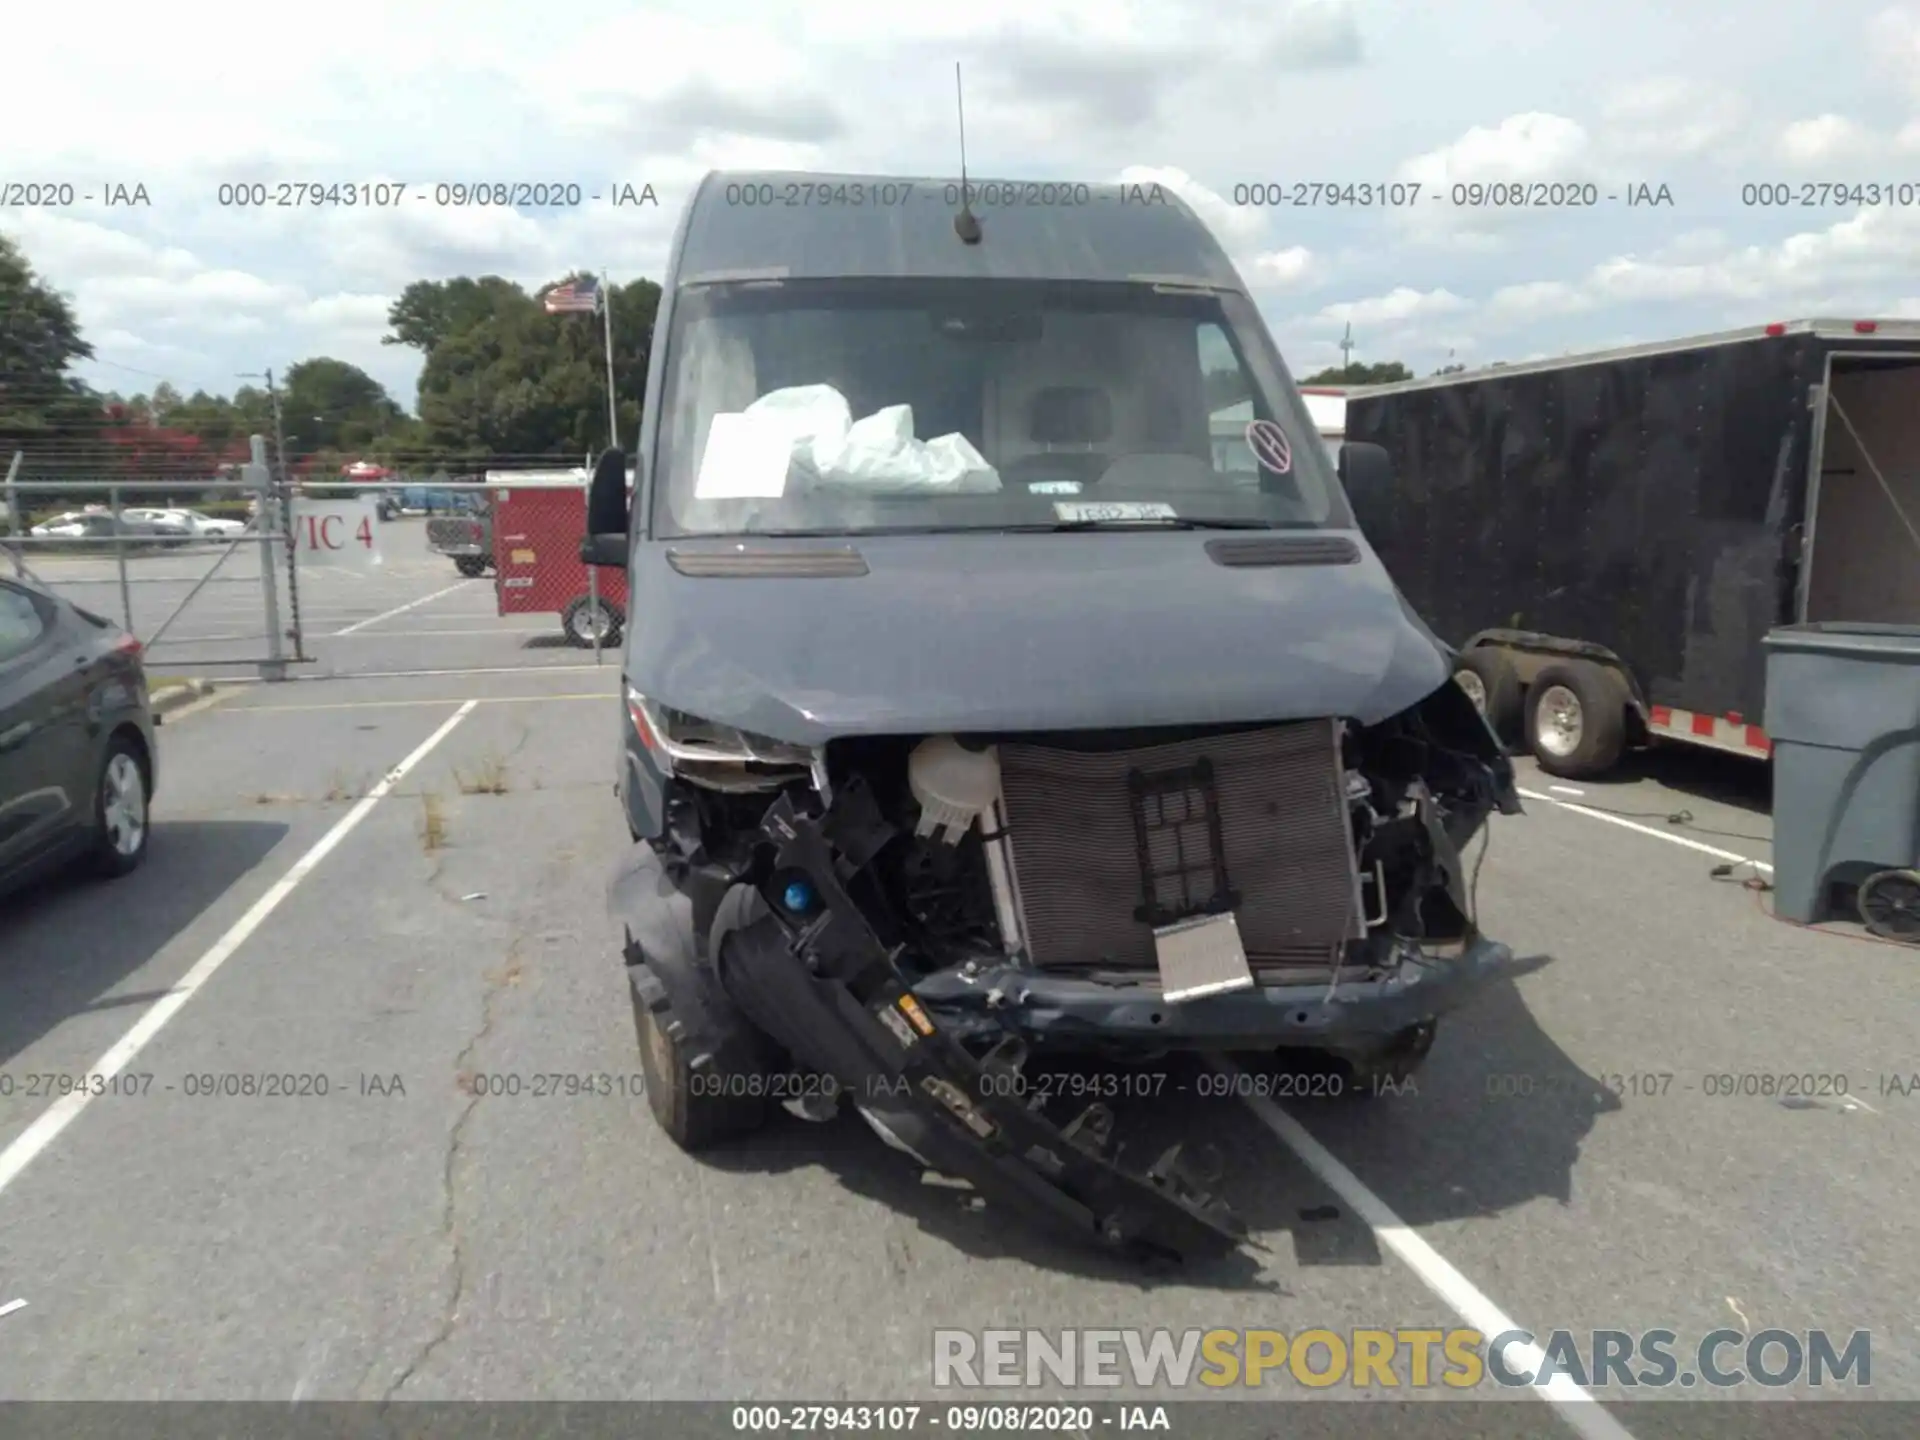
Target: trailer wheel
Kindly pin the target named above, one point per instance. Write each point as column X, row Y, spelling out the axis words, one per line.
column 579, row 621
column 1576, row 719
column 470, row 566
column 1491, row 682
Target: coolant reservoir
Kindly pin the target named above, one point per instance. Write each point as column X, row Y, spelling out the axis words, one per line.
column 953, row 784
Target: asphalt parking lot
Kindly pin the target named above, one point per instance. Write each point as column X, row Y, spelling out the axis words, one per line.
column 387, row 877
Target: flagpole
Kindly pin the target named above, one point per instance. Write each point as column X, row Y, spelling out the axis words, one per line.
column 613, row 412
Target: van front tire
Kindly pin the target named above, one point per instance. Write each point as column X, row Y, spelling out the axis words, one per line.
column 705, row 1084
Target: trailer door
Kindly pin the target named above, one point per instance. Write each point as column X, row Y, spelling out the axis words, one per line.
column 1864, row 528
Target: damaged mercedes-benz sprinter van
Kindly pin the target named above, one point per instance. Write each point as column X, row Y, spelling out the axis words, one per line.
column 980, row 702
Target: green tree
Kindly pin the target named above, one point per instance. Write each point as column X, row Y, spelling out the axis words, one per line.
column 164, row 403
column 331, row 405
column 40, row 402
column 252, row 412
column 516, row 382
column 1384, row 373
column 431, row 312
column 210, row 419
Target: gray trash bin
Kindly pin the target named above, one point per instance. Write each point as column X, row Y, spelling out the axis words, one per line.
column 1843, row 713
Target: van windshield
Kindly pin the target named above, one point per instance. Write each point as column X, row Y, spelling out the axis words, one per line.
column 858, row 406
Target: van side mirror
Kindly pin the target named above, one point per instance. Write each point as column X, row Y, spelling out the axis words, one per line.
column 1366, row 474
column 608, row 515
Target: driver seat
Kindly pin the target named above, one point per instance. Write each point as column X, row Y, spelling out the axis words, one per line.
column 1068, row 425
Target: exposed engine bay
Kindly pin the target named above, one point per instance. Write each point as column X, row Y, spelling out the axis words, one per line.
column 916, row 916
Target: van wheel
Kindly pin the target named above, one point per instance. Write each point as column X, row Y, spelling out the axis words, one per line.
column 579, row 620
column 1576, row 719
column 1491, row 682
column 705, row 1080
column 1387, row 1069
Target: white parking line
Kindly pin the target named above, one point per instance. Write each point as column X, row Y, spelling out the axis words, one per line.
column 473, row 632
column 1634, row 825
column 1574, row 1404
column 402, row 609
column 64, row 1111
column 478, row 670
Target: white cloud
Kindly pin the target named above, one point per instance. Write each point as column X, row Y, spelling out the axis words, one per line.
column 1860, row 253
column 1237, row 226
column 1893, row 39
column 1667, row 118
column 1241, row 229
column 1281, row 267
column 1823, row 140
column 1539, row 298
column 1527, row 148
column 1399, row 304
column 1531, row 146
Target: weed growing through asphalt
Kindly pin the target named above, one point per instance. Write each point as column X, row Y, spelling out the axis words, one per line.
column 489, row 777
column 433, row 822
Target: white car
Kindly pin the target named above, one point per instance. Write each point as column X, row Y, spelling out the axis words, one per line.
column 70, row 525
column 192, row 521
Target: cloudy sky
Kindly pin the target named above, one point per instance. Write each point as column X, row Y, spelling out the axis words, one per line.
column 1704, row 98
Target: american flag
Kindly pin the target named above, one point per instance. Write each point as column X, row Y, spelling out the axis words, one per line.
column 575, row 297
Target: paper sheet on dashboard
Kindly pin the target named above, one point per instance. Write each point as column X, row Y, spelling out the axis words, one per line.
column 745, row 459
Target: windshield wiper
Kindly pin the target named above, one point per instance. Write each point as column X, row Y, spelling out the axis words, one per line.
column 1152, row 522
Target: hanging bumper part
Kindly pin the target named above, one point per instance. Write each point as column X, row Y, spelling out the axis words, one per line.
column 818, row 979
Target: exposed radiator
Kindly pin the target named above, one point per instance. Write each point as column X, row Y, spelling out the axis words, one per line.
column 1286, row 848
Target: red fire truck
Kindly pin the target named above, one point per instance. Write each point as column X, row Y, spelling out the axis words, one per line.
column 538, row 519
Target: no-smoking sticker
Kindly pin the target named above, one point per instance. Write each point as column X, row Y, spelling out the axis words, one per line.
column 1270, row 446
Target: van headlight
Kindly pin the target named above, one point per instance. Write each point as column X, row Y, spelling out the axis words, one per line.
column 721, row 757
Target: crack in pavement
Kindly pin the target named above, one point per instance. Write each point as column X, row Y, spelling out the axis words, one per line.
column 497, row 982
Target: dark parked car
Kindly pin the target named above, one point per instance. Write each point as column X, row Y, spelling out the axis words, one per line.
column 77, row 756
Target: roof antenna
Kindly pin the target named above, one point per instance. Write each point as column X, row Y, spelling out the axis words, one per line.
column 966, row 224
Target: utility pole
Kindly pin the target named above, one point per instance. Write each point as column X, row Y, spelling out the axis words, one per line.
column 277, row 517
column 1346, row 353
column 279, row 433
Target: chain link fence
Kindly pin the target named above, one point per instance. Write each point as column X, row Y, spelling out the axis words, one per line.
column 201, row 571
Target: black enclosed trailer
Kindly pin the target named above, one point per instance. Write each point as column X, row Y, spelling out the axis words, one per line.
column 1608, row 537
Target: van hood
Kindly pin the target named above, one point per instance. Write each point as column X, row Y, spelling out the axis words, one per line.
column 987, row 632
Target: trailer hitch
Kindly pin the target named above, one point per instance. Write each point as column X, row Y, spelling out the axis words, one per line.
column 817, row 978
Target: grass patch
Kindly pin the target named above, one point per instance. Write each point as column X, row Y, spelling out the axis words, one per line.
column 433, row 822
column 488, row 777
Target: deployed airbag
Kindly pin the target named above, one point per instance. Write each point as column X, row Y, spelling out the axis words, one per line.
column 808, row 432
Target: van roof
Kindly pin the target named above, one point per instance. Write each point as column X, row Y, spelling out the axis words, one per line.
column 830, row 226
